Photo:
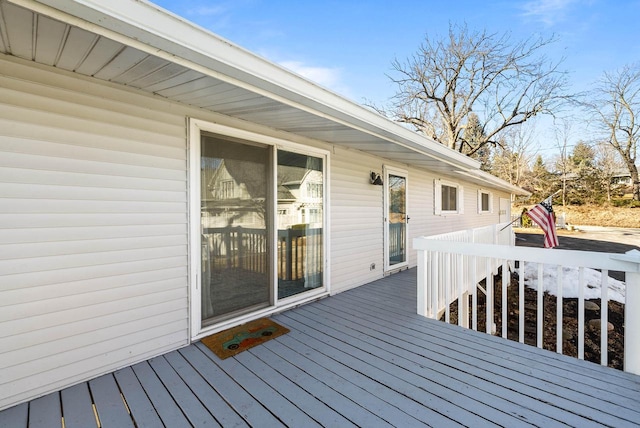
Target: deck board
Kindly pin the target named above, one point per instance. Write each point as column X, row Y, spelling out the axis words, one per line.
column 215, row 404
column 267, row 395
column 142, row 411
column 568, row 391
column 512, row 374
column 587, row 375
column 15, row 417
column 316, row 409
column 77, row 407
column 360, row 358
column 44, row 412
column 289, row 361
column 237, row 397
column 188, row 402
column 444, row 387
column 167, row 408
column 109, row 404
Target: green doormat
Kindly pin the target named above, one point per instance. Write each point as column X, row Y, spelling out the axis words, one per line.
column 230, row 342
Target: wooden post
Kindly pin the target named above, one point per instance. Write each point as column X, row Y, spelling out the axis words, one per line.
column 632, row 319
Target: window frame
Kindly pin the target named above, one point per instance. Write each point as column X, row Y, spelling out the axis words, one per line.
column 438, row 202
column 481, row 193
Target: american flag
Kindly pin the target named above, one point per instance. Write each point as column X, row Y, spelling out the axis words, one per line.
column 542, row 214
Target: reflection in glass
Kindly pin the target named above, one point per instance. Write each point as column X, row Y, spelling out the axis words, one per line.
column 300, row 222
column 235, row 243
column 397, row 219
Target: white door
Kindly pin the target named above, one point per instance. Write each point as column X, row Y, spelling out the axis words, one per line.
column 395, row 218
column 505, row 210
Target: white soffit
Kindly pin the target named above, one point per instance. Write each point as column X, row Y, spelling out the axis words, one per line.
column 135, row 43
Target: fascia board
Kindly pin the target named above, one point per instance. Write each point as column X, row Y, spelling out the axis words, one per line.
column 494, row 182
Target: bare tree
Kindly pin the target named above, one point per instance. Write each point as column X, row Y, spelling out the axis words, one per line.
column 608, row 163
column 562, row 134
column 502, row 82
column 511, row 161
column 615, row 102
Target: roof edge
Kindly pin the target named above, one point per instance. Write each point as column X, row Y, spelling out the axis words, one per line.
column 146, row 23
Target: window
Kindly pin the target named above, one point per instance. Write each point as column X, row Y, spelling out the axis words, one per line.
column 448, row 198
column 226, row 189
column 314, row 190
column 485, row 201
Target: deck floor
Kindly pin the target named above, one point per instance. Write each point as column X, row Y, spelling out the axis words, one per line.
column 360, row 358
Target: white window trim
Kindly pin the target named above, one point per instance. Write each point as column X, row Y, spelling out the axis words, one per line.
column 437, row 196
column 485, row 192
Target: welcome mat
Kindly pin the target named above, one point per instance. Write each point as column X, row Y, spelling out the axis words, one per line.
column 230, row 342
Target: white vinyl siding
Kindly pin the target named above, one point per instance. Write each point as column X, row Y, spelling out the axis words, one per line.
column 356, row 220
column 93, row 231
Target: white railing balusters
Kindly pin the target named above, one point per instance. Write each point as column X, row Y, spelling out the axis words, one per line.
column 581, row 313
column 463, row 300
column 474, row 292
column 559, row 308
column 489, row 297
column 521, row 307
column 604, row 318
column 450, row 271
column 434, row 284
column 539, row 307
column 448, row 285
column 505, row 285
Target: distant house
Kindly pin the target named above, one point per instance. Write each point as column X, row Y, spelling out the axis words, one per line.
column 159, row 183
column 622, row 178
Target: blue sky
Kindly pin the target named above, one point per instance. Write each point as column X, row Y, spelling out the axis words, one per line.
column 348, row 45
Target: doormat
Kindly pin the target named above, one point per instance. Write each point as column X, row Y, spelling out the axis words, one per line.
column 230, row 342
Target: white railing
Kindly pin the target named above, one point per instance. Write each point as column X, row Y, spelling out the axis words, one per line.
column 450, row 270
column 454, row 277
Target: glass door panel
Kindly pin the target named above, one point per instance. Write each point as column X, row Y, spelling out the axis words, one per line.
column 300, row 222
column 234, row 198
column 397, row 219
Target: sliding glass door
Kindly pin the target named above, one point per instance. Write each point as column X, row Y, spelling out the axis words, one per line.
column 257, row 224
column 234, row 212
column 300, row 223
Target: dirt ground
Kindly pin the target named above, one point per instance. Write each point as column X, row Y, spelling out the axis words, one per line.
column 587, row 238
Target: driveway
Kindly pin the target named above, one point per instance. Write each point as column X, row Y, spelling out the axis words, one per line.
column 586, row 238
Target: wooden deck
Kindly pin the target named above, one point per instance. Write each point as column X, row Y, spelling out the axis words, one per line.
column 360, row 358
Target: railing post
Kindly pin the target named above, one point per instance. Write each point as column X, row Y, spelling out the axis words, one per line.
column 632, row 319
column 422, row 283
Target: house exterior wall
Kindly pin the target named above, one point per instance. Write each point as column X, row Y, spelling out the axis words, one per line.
column 94, row 256
column 357, row 215
column 93, row 230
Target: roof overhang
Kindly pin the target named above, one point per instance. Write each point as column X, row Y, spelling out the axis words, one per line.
column 137, row 44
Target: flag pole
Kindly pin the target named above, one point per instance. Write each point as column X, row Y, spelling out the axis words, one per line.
column 520, row 216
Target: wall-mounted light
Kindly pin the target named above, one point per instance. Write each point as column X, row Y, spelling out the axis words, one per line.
column 376, row 179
